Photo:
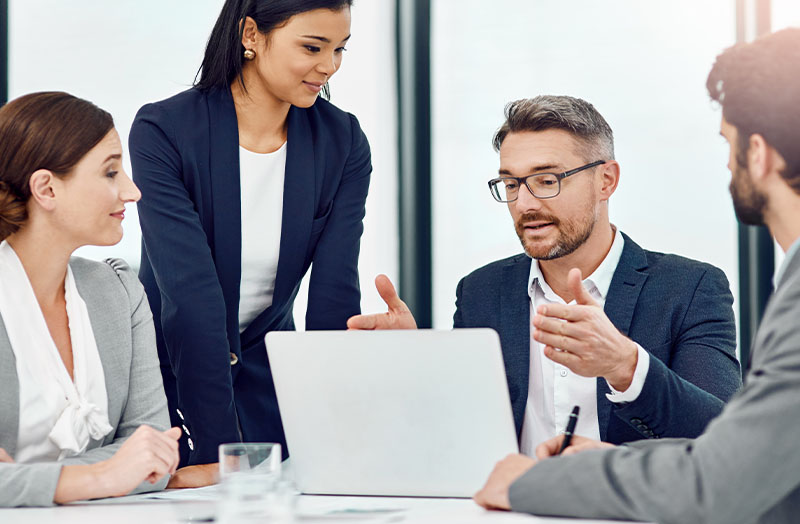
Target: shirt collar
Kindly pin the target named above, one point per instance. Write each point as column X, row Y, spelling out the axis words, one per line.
column 600, row 279
column 790, row 253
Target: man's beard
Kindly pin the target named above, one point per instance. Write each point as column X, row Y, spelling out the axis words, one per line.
column 571, row 235
column 748, row 202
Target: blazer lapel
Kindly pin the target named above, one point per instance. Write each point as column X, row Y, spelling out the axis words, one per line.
column 226, row 201
column 108, row 323
column 9, row 394
column 623, row 293
column 298, row 203
column 515, row 329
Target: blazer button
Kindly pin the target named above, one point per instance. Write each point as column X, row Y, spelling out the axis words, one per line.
column 234, row 359
column 636, row 421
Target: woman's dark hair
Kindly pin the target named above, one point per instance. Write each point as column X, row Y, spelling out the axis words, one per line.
column 50, row 130
column 223, row 59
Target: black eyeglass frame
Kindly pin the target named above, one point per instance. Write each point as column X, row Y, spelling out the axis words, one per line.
column 524, row 181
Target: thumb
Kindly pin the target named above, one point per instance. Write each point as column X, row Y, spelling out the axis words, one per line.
column 388, row 294
column 362, row 322
column 173, row 433
column 575, row 283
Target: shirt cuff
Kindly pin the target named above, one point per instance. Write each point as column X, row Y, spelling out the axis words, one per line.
column 639, row 374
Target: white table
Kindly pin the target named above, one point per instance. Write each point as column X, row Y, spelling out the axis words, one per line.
column 310, row 509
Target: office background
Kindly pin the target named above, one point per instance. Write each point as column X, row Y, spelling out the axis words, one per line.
column 428, row 80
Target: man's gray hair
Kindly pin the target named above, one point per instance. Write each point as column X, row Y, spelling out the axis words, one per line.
column 573, row 115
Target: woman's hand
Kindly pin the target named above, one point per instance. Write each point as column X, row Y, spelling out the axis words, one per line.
column 5, row 457
column 195, row 476
column 148, row 455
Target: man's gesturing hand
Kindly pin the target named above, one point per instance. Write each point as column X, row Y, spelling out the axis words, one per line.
column 398, row 316
column 588, row 343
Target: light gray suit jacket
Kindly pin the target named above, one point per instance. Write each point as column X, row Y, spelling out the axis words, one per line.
column 123, row 328
column 745, row 468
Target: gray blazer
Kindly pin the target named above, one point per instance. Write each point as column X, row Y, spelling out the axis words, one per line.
column 123, row 328
column 744, row 468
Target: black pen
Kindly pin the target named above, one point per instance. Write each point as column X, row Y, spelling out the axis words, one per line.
column 573, row 421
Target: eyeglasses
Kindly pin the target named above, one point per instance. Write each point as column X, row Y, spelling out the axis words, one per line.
column 541, row 185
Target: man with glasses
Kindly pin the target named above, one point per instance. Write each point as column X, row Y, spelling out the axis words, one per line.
column 643, row 342
column 745, row 467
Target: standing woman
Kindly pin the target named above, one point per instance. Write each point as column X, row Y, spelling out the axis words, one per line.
column 247, row 179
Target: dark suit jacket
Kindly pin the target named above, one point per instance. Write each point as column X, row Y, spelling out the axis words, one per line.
column 185, row 157
column 677, row 309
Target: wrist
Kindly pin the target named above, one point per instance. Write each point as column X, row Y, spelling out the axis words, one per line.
column 102, row 479
column 622, row 377
column 79, row 482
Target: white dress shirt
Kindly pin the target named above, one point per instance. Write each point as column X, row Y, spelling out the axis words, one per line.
column 262, row 176
column 553, row 389
column 57, row 416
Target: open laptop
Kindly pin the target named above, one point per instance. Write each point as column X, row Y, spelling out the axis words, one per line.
column 402, row 413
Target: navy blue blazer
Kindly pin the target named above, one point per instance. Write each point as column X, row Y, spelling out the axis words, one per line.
column 185, row 158
column 678, row 310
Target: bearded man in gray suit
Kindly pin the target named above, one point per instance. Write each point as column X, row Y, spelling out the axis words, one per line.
column 746, row 466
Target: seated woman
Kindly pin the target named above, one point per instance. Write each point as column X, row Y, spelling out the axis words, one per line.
column 82, row 408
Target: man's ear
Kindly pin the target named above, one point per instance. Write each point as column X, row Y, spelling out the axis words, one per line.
column 759, row 159
column 41, row 186
column 609, row 179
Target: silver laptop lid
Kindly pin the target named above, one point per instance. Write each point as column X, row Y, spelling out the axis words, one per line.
column 405, row 413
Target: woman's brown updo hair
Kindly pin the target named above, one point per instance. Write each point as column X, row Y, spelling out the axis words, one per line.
column 50, row 130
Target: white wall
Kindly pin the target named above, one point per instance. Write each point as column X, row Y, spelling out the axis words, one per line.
column 643, row 64
column 123, row 54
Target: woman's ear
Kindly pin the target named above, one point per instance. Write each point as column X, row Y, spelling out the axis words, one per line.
column 41, row 186
column 250, row 33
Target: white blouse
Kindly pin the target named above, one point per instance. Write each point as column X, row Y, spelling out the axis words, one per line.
column 262, row 176
column 57, row 417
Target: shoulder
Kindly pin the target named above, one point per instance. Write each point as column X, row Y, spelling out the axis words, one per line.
column 186, row 109
column 188, row 100
column 332, row 116
column 337, row 123
column 669, row 267
column 113, row 276
column 677, row 270
column 494, row 270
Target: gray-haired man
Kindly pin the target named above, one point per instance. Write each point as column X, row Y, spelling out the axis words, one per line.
column 643, row 342
column 746, row 466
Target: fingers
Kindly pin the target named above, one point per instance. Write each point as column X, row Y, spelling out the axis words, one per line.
column 563, row 342
column 565, row 358
column 5, row 457
column 173, row 435
column 480, row 499
column 363, row 321
column 575, row 284
column 549, row 448
column 158, row 448
column 388, row 294
column 585, row 445
column 556, row 326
